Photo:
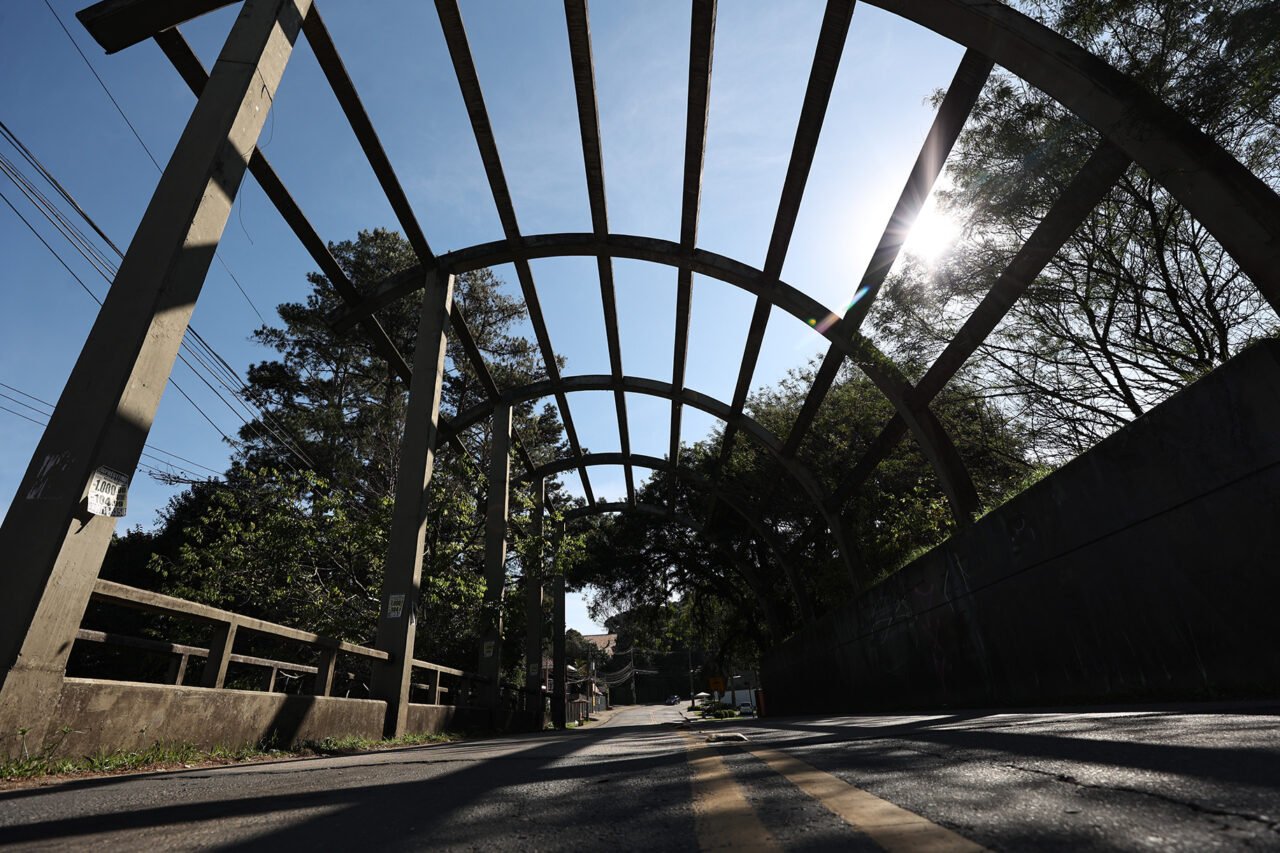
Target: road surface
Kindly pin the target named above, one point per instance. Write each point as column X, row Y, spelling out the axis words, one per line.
column 1196, row 778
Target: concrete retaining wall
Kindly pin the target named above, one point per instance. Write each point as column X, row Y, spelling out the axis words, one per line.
column 1149, row 567
column 109, row 715
column 131, row 715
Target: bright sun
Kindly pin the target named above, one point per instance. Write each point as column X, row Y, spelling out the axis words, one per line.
column 933, row 233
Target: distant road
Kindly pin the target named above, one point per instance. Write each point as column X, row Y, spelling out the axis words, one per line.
column 1195, row 778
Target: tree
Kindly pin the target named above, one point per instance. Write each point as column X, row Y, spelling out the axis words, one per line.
column 296, row 531
column 1141, row 300
column 740, row 584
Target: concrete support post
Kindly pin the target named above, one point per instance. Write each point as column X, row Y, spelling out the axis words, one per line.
column 177, row 669
column 435, row 687
column 558, row 651
column 323, row 685
column 402, row 574
column 52, row 546
column 533, row 574
column 495, row 556
column 220, row 644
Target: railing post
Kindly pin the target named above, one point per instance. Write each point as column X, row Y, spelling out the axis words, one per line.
column 435, row 687
column 220, row 643
column 495, row 556
column 324, row 672
column 403, row 571
column 271, row 679
column 52, row 546
column 177, row 668
column 533, row 609
column 558, row 694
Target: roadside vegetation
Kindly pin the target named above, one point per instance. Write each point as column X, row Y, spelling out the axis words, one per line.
column 45, row 763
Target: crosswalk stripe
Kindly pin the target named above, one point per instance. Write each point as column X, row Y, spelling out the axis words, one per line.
column 891, row 827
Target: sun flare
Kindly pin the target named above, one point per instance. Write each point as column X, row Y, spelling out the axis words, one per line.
column 934, row 232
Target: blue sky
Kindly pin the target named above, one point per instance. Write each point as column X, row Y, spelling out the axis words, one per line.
column 878, row 118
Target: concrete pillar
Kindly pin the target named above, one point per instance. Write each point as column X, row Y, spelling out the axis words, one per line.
column 495, row 556
column 558, row 652
column 52, row 546
column 533, row 573
column 402, row 574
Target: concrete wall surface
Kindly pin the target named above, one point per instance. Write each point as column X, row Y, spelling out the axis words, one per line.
column 1147, row 568
column 425, row 719
column 131, row 715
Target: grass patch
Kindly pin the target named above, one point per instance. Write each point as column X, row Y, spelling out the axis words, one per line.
column 171, row 756
column 340, row 745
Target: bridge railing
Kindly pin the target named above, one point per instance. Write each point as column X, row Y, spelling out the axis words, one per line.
column 226, row 626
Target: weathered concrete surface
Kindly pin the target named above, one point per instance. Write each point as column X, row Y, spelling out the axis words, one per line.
column 108, row 715
column 1144, row 568
column 421, row 719
column 132, row 715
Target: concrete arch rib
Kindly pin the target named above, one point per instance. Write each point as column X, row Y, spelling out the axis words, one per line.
column 558, row 466
column 656, row 388
column 1237, row 207
column 668, row 514
column 933, row 440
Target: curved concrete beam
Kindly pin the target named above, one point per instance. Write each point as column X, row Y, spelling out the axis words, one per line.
column 655, row 388
column 933, row 439
column 1237, row 207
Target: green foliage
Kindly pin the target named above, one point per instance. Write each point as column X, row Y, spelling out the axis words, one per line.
column 1141, row 300
column 731, row 587
column 296, row 531
column 160, row 756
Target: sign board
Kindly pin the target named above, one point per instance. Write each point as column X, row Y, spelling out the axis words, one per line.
column 108, row 493
column 395, row 607
column 716, row 683
column 488, row 648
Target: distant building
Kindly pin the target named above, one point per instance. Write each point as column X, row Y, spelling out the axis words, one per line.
column 606, row 643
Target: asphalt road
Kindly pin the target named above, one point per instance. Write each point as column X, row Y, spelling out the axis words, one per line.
column 1195, row 778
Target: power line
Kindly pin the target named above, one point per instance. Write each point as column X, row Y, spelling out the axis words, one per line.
column 50, row 406
column 107, row 270
column 138, row 137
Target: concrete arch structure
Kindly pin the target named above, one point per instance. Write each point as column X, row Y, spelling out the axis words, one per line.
column 105, row 412
column 655, row 388
column 933, row 439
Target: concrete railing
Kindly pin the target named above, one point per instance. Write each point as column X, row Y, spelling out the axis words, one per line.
column 181, row 654
column 226, row 626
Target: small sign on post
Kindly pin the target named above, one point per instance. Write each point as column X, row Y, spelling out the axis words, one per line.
column 716, row 683
column 395, row 607
column 488, row 648
column 108, row 493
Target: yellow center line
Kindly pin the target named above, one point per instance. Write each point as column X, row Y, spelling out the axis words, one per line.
column 892, row 827
column 722, row 817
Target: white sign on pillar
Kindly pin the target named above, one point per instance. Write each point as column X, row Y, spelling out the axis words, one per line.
column 108, row 493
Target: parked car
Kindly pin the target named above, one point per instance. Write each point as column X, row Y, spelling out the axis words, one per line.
column 745, row 709
column 673, row 700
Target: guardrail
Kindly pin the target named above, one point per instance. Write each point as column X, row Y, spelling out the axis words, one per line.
column 183, row 653
column 226, row 626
